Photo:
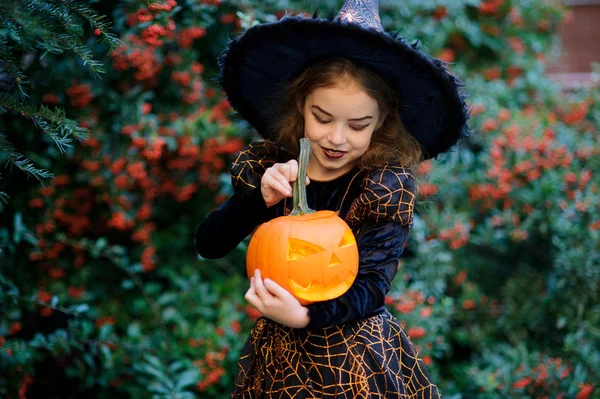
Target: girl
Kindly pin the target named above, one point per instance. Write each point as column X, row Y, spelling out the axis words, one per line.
column 371, row 107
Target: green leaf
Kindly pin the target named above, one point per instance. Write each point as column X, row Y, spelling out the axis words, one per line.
column 188, row 378
column 159, row 375
column 79, row 309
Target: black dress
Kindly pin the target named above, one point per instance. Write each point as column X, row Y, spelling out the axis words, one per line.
column 352, row 347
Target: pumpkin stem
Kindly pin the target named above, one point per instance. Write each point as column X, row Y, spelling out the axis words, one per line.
column 299, row 191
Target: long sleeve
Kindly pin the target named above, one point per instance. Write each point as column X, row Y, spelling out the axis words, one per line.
column 380, row 247
column 226, row 227
column 382, row 217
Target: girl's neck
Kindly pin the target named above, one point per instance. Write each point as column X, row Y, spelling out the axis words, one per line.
column 317, row 173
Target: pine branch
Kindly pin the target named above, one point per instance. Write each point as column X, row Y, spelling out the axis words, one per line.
column 56, row 26
column 56, row 43
column 44, row 26
column 96, row 67
column 99, row 22
column 3, row 196
column 53, row 122
column 15, row 31
column 65, row 20
column 20, row 161
column 60, row 133
column 9, row 63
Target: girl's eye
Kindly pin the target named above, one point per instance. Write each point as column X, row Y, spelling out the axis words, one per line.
column 355, row 128
column 320, row 120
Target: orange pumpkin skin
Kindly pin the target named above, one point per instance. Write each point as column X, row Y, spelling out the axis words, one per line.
column 312, row 256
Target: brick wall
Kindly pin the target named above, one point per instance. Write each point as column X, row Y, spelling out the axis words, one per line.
column 580, row 43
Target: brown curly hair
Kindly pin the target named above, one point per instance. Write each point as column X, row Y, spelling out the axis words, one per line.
column 390, row 143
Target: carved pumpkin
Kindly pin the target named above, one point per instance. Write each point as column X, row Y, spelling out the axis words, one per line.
column 313, row 255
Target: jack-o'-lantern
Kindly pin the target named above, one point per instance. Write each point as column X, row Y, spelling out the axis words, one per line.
column 313, row 255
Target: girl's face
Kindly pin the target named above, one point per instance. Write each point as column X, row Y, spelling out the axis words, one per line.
column 339, row 122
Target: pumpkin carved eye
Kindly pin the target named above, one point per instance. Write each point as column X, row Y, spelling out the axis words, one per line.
column 347, row 239
column 299, row 249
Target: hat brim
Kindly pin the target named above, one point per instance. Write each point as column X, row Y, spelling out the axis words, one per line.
column 260, row 62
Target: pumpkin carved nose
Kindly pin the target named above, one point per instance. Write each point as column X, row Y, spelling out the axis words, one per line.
column 334, row 260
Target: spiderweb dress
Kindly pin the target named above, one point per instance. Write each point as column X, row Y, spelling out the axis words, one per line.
column 353, row 347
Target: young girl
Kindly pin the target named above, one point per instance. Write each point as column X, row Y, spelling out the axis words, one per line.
column 371, row 107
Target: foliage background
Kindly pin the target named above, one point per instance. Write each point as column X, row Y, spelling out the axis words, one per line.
column 102, row 293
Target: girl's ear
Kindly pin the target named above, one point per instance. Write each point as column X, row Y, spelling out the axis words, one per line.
column 380, row 122
column 300, row 105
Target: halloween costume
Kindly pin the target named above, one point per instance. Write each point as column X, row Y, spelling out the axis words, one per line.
column 353, row 347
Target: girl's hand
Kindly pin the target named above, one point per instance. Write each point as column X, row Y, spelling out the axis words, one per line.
column 275, row 183
column 275, row 303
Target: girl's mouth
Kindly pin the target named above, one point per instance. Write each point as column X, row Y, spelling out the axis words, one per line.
column 333, row 154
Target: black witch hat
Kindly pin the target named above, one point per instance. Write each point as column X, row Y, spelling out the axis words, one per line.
column 262, row 60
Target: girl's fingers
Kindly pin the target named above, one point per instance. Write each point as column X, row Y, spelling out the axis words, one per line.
column 271, row 182
column 261, row 290
column 281, row 188
column 277, row 290
column 283, row 169
column 283, row 181
column 252, row 298
column 279, row 176
column 293, row 164
column 293, row 170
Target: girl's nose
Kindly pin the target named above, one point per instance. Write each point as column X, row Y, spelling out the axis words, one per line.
column 337, row 136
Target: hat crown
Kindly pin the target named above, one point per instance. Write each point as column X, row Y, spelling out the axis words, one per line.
column 361, row 12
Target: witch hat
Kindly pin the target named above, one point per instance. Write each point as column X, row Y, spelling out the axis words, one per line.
column 258, row 64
